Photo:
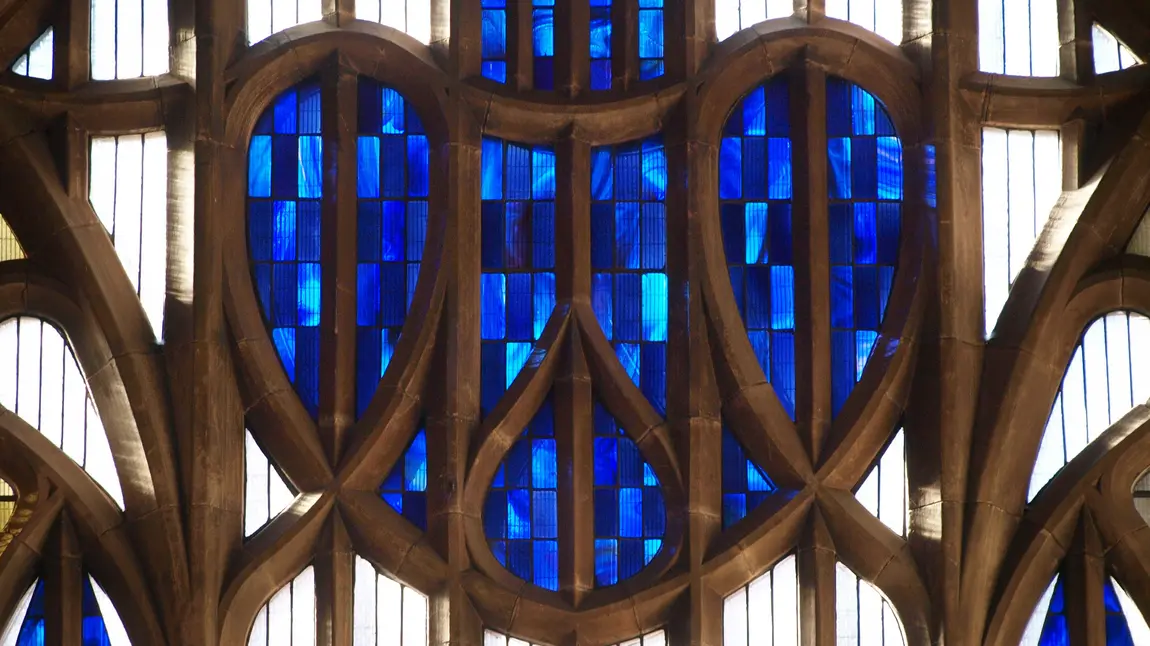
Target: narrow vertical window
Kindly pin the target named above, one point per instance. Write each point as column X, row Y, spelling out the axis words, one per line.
column 128, row 190
column 745, row 484
column 601, row 44
column 629, row 258
column 1048, row 624
column 285, row 185
column 1018, row 37
column 393, row 186
column 267, row 17
column 101, row 622
column 862, row 614
column 765, row 611
column 405, row 488
column 1125, row 623
column 10, row 247
column 26, row 625
column 129, row 38
column 36, row 61
column 410, row 16
column 517, row 288
column 386, row 612
column 289, row 617
column 1109, row 54
column 884, row 17
column 1021, row 183
column 732, row 16
column 883, row 491
column 521, row 514
column 755, row 189
column 650, row 39
column 266, row 493
column 543, row 43
column 494, row 40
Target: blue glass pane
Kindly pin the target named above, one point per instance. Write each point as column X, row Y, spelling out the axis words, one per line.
column 630, row 516
column 494, row 42
column 405, row 488
column 93, row 632
column 865, row 175
column 543, row 44
column 745, row 485
column 1117, row 627
column 521, row 516
column 32, row 628
column 650, row 43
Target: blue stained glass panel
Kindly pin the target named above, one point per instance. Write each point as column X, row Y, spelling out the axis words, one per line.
column 650, row 39
column 600, row 45
column 543, row 43
column 493, row 44
column 285, row 186
column 865, row 176
column 405, row 488
column 32, row 627
column 1117, row 627
column 521, row 513
column 93, row 631
column 755, row 191
column 745, row 484
column 1055, row 630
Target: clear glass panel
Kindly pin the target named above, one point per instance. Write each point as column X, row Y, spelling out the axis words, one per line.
column 884, row 17
column 884, row 490
column 766, row 611
column 289, row 617
column 386, row 612
column 266, row 493
column 1129, row 625
column 1047, row 625
column 405, row 488
column 734, row 15
column 129, row 38
column 102, row 625
column 1021, row 183
column 7, row 507
column 26, row 625
column 1109, row 54
column 45, row 386
column 654, row 638
column 1103, row 382
column 494, row 40
column 745, row 484
column 267, row 17
column 492, row 638
column 1139, row 242
column 36, row 61
column 629, row 259
column 10, row 248
column 863, row 617
column 1018, row 37
column 410, row 16
column 517, row 288
column 128, row 189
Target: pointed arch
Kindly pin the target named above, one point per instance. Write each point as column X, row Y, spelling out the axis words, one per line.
column 1048, row 617
column 26, row 625
column 862, row 614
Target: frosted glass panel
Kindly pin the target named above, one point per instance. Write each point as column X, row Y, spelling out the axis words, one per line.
column 863, row 617
column 265, row 492
column 289, row 617
column 1106, row 377
column 128, row 189
column 266, row 17
column 1135, row 621
column 387, row 613
column 1038, row 618
column 410, row 16
column 884, row 17
column 492, row 638
column 129, row 38
column 1109, row 54
column 765, row 612
column 36, row 61
column 656, row 638
column 883, row 492
column 1018, row 37
column 10, row 248
column 1021, row 183
column 735, row 15
column 46, row 388
column 11, row 634
column 117, row 634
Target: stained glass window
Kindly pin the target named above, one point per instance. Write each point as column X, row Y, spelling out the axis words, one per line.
column 101, row 623
column 862, row 614
column 1021, row 183
column 129, row 38
column 543, row 43
column 1102, row 383
column 765, row 612
column 266, row 493
column 267, row 17
column 10, row 248
column 36, row 61
column 601, row 44
column 629, row 258
column 393, row 187
column 630, row 516
column 745, row 484
column 1110, row 55
column 285, row 184
column 1018, row 37
column 405, row 488
column 521, row 515
column 884, row 491
column 128, row 190
column 494, row 40
column 410, row 16
column 884, row 17
column 734, row 15
column 755, row 189
column 650, row 39
column 517, row 288
column 865, row 173
column 26, row 625
column 1047, row 625
column 289, row 617
column 43, row 384
column 387, row 613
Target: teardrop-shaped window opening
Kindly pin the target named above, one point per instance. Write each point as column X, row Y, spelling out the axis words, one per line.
column 101, row 622
column 745, row 484
column 884, row 491
column 266, row 492
column 862, row 613
column 26, row 626
column 765, row 611
column 405, row 488
column 289, row 617
column 521, row 513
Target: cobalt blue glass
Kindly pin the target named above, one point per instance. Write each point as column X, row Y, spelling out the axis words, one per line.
column 865, row 177
column 517, row 287
column 1055, row 630
column 650, row 39
column 630, row 516
column 405, row 488
column 32, row 627
column 629, row 259
column 521, row 513
column 493, row 45
column 600, row 47
column 543, row 43
column 755, row 191
column 745, row 484
column 285, row 186
column 392, row 186
column 1117, row 628
column 93, row 632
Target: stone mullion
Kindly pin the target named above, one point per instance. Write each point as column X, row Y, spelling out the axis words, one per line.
column 1084, row 579
column 573, row 220
column 63, row 581
column 812, row 256
column 572, row 47
column 624, row 43
column 811, row 10
column 338, row 258
column 338, row 12
column 71, row 66
column 461, row 23
column 817, row 583
column 334, row 585
column 1075, row 42
column 520, row 54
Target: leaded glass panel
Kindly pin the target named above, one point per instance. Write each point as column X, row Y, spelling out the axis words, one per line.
column 405, row 488
column 36, row 61
column 745, row 484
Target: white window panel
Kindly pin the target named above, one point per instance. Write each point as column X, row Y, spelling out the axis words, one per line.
column 1139, row 242
column 883, row 491
column 1104, row 380
column 1038, row 618
column 1021, row 184
column 267, row 17
column 732, row 16
column 288, row 619
column 11, row 632
column 46, row 388
column 128, row 190
column 36, row 62
column 1134, row 618
column 1018, row 37
column 884, row 17
column 129, row 38
column 863, row 617
column 1109, row 54
column 386, row 612
column 765, row 612
column 266, row 494
column 117, row 635
column 654, row 638
column 410, row 16
column 10, row 248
